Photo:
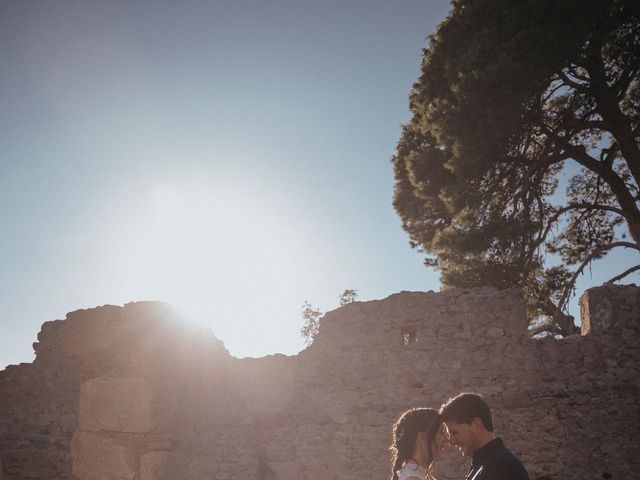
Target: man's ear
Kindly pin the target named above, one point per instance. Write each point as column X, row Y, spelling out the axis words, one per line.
column 477, row 425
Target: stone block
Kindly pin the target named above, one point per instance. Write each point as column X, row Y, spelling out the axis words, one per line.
column 371, row 418
column 284, row 470
column 154, row 465
column 122, row 405
column 160, row 444
column 99, row 456
column 317, row 472
column 516, row 399
column 68, row 421
column 608, row 308
column 90, row 332
column 164, row 465
column 494, row 332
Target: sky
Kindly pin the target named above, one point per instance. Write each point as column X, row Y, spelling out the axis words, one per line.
column 231, row 158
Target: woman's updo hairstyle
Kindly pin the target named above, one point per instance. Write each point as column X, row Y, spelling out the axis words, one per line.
column 405, row 433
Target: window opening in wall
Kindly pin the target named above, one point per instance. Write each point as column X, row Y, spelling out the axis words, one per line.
column 408, row 335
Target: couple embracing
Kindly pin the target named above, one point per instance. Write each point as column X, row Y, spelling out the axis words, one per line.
column 465, row 421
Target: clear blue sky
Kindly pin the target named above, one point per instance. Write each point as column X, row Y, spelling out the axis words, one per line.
column 228, row 157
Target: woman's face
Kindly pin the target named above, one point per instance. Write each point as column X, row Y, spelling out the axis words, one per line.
column 440, row 441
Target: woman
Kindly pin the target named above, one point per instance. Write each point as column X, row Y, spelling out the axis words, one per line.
column 419, row 437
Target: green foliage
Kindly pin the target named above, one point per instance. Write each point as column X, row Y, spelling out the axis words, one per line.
column 311, row 315
column 348, row 296
column 509, row 94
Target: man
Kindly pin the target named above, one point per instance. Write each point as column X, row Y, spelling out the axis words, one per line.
column 470, row 425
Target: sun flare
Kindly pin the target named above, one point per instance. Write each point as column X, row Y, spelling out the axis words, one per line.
column 219, row 249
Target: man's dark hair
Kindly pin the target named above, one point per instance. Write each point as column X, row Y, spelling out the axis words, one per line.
column 464, row 408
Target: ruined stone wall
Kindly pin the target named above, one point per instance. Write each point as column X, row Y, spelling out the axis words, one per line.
column 159, row 400
column 562, row 406
column 38, row 411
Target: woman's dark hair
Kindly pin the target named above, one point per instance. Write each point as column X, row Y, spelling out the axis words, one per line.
column 405, row 433
column 465, row 407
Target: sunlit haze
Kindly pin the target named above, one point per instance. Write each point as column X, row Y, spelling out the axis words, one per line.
column 229, row 158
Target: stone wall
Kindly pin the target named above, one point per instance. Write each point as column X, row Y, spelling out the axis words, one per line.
column 38, row 412
column 162, row 400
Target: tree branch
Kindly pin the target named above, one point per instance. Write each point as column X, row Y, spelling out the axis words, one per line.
column 573, row 84
column 575, row 206
column 617, row 185
column 589, row 259
column 544, row 162
column 574, row 74
column 623, row 83
column 607, row 155
column 552, row 90
column 581, row 124
column 608, row 107
column 624, row 274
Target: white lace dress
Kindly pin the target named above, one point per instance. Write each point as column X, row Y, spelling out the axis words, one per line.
column 411, row 470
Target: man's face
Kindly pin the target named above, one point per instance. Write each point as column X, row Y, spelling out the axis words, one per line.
column 463, row 436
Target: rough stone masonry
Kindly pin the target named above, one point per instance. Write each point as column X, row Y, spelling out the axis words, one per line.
column 131, row 393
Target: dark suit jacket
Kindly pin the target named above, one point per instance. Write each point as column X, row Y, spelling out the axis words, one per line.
column 495, row 462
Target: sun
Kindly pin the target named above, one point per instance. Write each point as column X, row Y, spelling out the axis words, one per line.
column 220, row 249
